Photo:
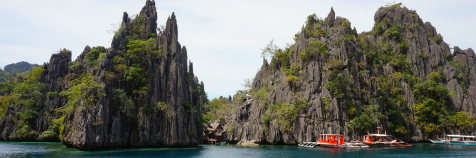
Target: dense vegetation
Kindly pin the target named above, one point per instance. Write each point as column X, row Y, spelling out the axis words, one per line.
column 18, row 70
column 217, row 109
column 27, row 94
column 4, row 76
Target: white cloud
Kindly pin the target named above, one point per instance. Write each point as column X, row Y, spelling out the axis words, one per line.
column 223, row 38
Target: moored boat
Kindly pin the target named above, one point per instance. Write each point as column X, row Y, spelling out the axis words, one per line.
column 461, row 140
column 439, row 141
column 308, row 144
column 332, row 140
column 383, row 140
column 222, row 143
column 356, row 144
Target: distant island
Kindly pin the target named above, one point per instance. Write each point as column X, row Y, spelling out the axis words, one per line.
column 141, row 91
column 15, row 68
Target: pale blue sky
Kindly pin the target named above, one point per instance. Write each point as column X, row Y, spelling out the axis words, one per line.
column 223, row 38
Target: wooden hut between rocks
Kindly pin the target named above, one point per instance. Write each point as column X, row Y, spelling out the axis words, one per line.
column 213, row 133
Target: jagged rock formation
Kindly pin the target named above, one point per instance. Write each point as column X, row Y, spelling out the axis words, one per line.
column 52, row 73
column 147, row 93
column 341, row 74
column 19, row 67
column 13, row 128
column 168, row 83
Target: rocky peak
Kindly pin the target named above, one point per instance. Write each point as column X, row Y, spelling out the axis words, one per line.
column 56, row 68
column 150, row 16
column 468, row 52
column 184, row 49
column 171, row 29
column 184, row 57
column 467, row 56
column 265, row 63
column 190, row 69
column 118, row 41
column 125, row 18
column 87, row 49
column 404, row 16
column 202, row 86
column 396, row 15
column 133, row 27
column 331, row 17
column 431, row 29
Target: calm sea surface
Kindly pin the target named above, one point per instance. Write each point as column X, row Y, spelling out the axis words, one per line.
column 34, row 149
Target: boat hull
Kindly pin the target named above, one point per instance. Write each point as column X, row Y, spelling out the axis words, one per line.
column 462, row 143
column 356, row 145
column 397, row 144
column 333, row 146
column 308, row 144
column 439, row 141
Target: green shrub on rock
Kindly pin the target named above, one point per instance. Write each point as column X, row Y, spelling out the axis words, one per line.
column 84, row 88
column 285, row 113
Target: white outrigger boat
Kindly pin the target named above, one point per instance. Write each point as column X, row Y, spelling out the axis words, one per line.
column 308, row 144
column 356, row 144
column 461, row 140
column 383, row 140
column 439, row 141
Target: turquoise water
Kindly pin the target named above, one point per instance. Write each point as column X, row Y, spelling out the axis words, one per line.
column 35, row 149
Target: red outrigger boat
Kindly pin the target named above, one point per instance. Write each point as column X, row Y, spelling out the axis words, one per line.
column 332, row 140
column 383, row 140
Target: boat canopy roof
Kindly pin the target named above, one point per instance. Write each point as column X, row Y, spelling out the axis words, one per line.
column 331, row 134
column 461, row 136
column 379, row 135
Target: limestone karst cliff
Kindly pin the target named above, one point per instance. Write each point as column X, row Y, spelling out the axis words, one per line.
column 142, row 92
column 400, row 76
column 139, row 92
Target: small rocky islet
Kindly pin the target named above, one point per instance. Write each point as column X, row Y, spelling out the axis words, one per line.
column 142, row 92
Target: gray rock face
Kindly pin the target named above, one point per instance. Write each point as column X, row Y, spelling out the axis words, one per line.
column 150, row 15
column 56, row 68
column 348, row 59
column 8, row 125
column 462, row 80
column 331, row 17
column 169, row 82
column 164, row 115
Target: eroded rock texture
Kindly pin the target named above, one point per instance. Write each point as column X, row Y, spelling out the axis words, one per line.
column 165, row 95
column 360, row 74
